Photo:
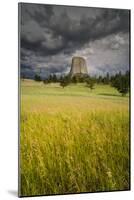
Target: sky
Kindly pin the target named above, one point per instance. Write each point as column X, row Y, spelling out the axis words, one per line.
column 51, row 35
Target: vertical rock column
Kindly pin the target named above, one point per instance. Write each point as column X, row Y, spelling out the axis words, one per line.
column 78, row 66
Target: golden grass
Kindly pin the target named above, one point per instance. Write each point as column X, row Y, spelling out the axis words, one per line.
column 72, row 144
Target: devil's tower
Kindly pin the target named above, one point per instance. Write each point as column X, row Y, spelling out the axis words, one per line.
column 78, row 67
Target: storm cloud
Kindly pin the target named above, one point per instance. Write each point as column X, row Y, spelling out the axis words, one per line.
column 50, row 35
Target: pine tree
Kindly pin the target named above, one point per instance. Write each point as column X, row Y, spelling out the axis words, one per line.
column 121, row 83
column 37, row 78
column 90, row 83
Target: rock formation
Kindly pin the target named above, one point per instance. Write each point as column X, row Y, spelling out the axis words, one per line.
column 78, row 67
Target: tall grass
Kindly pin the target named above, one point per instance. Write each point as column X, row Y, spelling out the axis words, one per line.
column 72, row 145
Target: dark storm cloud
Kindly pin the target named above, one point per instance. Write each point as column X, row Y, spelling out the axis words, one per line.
column 43, row 26
column 110, row 21
column 53, row 30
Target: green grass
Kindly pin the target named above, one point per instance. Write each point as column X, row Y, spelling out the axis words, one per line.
column 73, row 140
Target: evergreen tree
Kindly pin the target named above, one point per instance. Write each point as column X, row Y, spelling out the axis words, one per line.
column 61, row 78
column 64, row 83
column 37, row 78
column 90, row 83
column 121, row 83
column 107, row 78
column 50, row 78
column 75, row 79
column 99, row 80
column 54, row 78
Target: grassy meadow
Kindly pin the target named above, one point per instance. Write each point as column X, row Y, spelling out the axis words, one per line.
column 73, row 140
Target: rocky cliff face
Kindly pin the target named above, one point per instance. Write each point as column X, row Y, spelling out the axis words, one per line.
column 78, row 66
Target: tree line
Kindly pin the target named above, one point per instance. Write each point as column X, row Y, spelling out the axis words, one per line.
column 119, row 81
